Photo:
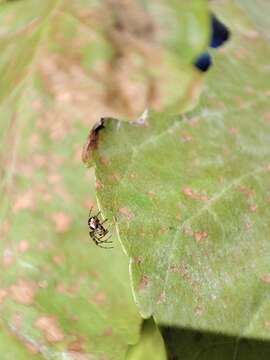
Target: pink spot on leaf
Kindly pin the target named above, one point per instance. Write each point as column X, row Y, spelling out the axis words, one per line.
column 266, row 278
column 200, row 235
column 23, row 292
column 144, row 282
column 188, row 191
column 127, row 213
column 62, row 221
column 51, row 329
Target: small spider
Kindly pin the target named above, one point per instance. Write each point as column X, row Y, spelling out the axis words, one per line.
column 97, row 231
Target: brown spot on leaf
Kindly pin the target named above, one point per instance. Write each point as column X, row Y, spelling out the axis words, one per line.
column 59, row 259
column 34, row 140
column 246, row 191
column 266, row 278
column 31, row 347
column 144, row 282
column 188, row 191
column 100, row 298
column 8, row 258
column 253, row 207
column 104, row 160
column 152, row 194
column 233, row 130
column 126, row 212
column 99, row 185
column 62, row 221
column 138, row 260
column 61, row 288
column 24, row 201
column 251, row 34
column 108, row 331
column 181, row 269
column 77, row 345
column 54, row 179
column 200, row 235
column 194, row 122
column 3, row 295
column 23, row 292
column 186, row 136
column 23, row 246
column 267, row 117
column 162, row 298
column 51, row 329
column 115, row 177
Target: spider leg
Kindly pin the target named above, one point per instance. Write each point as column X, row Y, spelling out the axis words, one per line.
column 99, row 243
column 90, row 211
column 106, row 240
column 103, row 221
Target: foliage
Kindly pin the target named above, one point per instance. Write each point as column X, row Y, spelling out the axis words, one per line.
column 190, row 198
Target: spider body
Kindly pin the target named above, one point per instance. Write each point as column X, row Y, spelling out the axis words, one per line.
column 97, row 231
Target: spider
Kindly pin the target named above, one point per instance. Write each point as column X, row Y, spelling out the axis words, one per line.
column 97, row 231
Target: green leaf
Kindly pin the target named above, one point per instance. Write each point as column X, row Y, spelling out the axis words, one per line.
column 61, row 297
column 190, row 196
column 150, row 346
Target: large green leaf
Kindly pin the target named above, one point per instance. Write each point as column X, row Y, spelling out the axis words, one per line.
column 190, row 196
column 61, row 297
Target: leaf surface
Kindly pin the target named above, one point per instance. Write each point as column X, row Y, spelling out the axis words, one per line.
column 61, row 297
column 190, row 196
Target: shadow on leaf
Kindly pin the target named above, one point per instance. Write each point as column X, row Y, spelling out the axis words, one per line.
column 196, row 345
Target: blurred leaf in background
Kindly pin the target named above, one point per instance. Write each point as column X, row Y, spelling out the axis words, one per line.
column 61, row 297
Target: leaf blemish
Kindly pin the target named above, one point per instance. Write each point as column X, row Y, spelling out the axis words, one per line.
column 115, row 177
column 188, row 191
column 99, row 185
column 246, row 191
column 127, row 213
column 162, row 298
column 138, row 260
column 144, row 282
column 267, row 117
column 92, row 141
column 3, row 295
column 23, row 292
column 233, row 130
column 104, row 160
column 187, row 137
column 253, row 207
column 200, row 235
column 100, row 298
column 49, row 325
column 266, row 278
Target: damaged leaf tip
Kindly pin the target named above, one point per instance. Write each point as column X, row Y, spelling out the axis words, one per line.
column 92, row 142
